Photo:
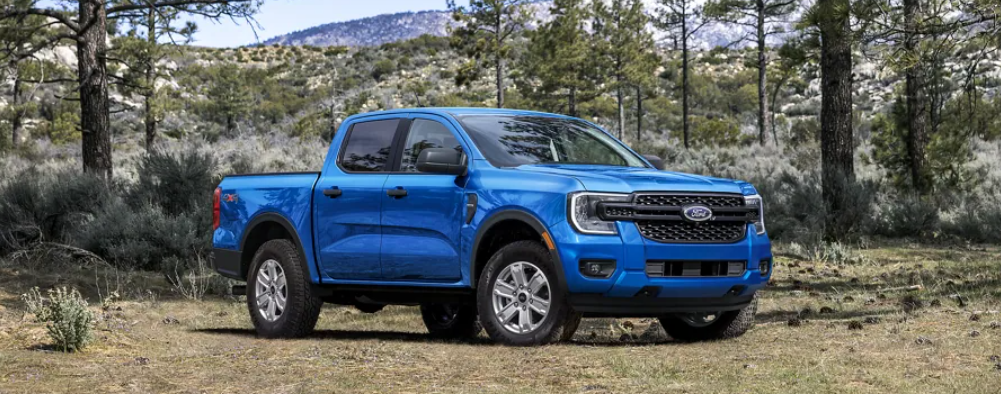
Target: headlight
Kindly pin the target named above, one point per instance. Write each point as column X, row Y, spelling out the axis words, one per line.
column 583, row 212
column 757, row 218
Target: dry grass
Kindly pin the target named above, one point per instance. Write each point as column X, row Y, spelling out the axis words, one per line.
column 166, row 344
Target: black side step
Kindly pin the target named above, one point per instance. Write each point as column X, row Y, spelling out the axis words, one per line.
column 239, row 290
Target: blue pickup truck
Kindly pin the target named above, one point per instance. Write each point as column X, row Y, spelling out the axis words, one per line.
column 514, row 222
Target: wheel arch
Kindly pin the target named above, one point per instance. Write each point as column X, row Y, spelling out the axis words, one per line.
column 503, row 228
column 263, row 228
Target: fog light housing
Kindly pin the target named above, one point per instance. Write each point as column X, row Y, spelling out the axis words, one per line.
column 597, row 268
column 765, row 266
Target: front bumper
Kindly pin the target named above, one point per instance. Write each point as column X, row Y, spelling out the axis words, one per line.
column 630, row 292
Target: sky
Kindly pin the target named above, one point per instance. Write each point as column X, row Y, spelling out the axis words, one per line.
column 278, row 17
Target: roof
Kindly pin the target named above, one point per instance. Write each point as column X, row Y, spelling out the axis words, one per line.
column 458, row 111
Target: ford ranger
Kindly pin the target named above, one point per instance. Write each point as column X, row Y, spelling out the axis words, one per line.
column 514, row 222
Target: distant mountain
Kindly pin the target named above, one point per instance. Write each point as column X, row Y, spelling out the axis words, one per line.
column 372, row 31
column 381, row 29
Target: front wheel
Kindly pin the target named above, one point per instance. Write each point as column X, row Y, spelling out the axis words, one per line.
column 519, row 301
column 708, row 326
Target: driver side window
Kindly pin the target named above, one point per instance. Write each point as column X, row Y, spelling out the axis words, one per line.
column 425, row 134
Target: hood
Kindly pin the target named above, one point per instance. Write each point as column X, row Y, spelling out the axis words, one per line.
column 627, row 180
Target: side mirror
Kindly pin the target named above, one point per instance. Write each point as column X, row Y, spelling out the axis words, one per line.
column 657, row 162
column 441, row 161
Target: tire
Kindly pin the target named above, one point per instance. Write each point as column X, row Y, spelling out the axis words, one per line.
column 727, row 325
column 527, row 258
column 573, row 322
column 280, row 259
column 446, row 321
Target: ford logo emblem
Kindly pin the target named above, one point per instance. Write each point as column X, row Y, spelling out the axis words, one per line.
column 697, row 213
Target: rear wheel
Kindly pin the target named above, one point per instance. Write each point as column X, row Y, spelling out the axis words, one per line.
column 279, row 298
column 519, row 300
column 451, row 321
column 707, row 326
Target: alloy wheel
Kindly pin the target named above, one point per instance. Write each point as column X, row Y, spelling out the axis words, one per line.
column 272, row 290
column 521, row 297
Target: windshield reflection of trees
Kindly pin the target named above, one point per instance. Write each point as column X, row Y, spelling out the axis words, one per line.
column 530, row 138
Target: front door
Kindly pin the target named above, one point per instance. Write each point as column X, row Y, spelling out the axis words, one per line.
column 348, row 198
column 420, row 231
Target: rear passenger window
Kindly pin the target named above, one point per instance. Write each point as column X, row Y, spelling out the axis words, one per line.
column 368, row 145
column 425, row 134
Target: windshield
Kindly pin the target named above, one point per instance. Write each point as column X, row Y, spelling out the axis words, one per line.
column 512, row 140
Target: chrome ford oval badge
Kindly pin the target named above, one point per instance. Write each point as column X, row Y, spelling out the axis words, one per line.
column 697, row 213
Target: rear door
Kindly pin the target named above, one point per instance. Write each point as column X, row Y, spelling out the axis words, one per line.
column 349, row 197
column 420, row 240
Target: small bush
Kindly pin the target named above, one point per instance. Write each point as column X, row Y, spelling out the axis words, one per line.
column 382, row 68
column 65, row 313
column 836, row 253
column 192, row 278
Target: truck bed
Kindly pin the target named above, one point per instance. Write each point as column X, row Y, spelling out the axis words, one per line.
column 244, row 198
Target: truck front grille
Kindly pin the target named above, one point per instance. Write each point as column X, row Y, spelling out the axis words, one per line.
column 680, row 200
column 659, row 216
column 678, row 231
column 701, row 269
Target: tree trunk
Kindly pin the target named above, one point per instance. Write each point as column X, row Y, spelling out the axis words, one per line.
column 92, row 72
column 500, row 81
column 639, row 114
column 499, row 59
column 150, row 93
column 836, row 139
column 572, row 102
column 917, row 105
column 762, row 75
column 150, row 124
column 684, row 82
column 773, row 103
column 622, row 110
column 17, row 112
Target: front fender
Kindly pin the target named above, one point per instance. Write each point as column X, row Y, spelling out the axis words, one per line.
column 538, row 200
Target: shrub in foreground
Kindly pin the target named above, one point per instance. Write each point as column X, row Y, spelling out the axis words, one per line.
column 66, row 317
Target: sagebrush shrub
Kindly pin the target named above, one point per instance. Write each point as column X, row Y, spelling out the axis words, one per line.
column 177, row 182
column 910, row 215
column 975, row 218
column 142, row 237
column 65, row 314
column 36, row 206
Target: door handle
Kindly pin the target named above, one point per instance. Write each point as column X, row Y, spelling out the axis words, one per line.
column 333, row 192
column 399, row 192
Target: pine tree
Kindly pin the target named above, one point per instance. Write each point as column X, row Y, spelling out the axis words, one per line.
column 485, row 33
column 628, row 47
column 792, row 57
column 914, row 37
column 229, row 95
column 682, row 18
column 86, row 26
column 151, row 37
column 760, row 16
column 560, row 69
